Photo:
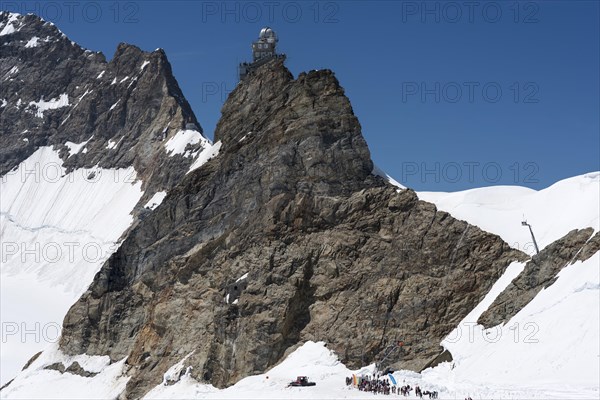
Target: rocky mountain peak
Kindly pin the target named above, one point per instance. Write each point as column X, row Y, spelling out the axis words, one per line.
column 306, row 121
column 118, row 114
column 127, row 58
column 285, row 236
column 30, row 36
column 20, row 26
column 273, row 86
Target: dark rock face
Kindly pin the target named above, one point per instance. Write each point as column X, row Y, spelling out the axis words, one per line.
column 126, row 108
column 77, row 369
column 590, row 248
column 539, row 273
column 332, row 252
column 74, row 368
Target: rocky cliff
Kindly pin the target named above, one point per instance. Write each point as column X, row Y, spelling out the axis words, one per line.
column 286, row 236
column 120, row 113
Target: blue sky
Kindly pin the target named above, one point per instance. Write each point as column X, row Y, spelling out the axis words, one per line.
column 450, row 95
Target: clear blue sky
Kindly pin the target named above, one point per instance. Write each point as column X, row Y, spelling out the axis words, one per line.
column 423, row 77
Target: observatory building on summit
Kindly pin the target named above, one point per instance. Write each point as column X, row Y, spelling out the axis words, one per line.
column 263, row 50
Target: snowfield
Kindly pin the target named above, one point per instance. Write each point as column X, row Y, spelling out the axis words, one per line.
column 552, row 212
column 57, row 230
column 33, row 42
column 39, row 383
column 75, row 148
column 549, row 350
column 552, row 343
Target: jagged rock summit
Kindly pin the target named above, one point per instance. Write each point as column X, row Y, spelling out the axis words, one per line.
column 286, row 236
column 97, row 113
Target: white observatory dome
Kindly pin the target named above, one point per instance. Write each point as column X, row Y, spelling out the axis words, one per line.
column 268, row 34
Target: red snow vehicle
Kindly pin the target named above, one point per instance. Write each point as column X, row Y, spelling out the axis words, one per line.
column 302, row 381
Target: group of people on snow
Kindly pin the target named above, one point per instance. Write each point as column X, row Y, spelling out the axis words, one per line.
column 406, row 389
column 374, row 384
column 377, row 384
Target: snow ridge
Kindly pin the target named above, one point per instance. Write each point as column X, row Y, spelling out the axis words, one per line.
column 569, row 204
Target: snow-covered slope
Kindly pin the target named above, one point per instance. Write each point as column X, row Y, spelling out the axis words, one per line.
column 36, row 382
column 552, row 212
column 554, row 341
column 56, row 231
column 312, row 359
column 379, row 172
column 323, row 367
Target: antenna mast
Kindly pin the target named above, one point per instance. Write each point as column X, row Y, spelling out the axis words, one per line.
column 524, row 223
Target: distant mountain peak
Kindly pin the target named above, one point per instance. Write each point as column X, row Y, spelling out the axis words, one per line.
column 54, row 92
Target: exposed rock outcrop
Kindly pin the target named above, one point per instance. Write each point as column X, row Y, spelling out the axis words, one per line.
column 539, row 273
column 591, row 247
column 332, row 252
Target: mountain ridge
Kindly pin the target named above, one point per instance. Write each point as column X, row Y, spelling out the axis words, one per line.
column 74, row 95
